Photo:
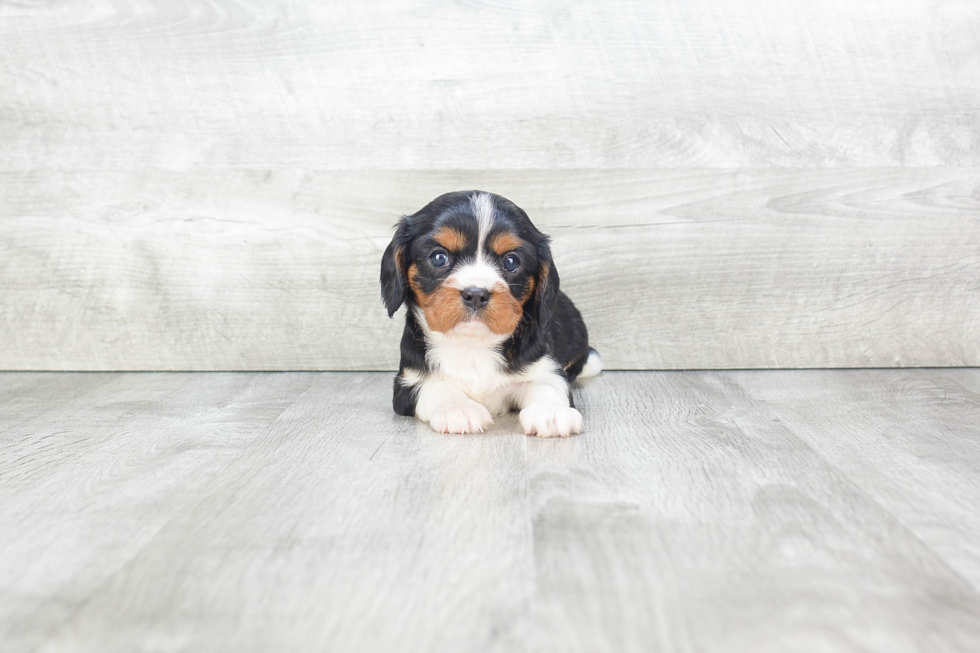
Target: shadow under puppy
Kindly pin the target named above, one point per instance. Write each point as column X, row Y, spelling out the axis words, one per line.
column 487, row 329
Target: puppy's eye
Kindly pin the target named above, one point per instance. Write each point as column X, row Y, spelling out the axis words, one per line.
column 439, row 259
column 512, row 262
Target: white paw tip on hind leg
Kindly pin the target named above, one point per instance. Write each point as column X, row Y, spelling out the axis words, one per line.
column 549, row 421
column 470, row 417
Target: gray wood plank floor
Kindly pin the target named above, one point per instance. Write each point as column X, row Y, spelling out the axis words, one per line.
column 699, row 511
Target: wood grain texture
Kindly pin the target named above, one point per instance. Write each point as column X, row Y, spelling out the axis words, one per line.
column 673, row 269
column 920, row 465
column 208, row 186
column 355, row 526
column 488, row 84
column 699, row 511
column 691, row 518
column 95, row 466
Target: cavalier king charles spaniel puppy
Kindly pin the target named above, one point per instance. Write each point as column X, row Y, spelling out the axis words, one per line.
column 487, row 329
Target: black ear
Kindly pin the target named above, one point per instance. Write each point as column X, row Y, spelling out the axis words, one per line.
column 394, row 267
column 546, row 286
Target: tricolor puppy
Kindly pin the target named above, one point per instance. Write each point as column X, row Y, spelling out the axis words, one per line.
column 487, row 329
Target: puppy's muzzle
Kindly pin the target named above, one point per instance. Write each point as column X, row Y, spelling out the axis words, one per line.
column 475, row 298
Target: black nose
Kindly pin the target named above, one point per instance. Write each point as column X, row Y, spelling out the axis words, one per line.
column 475, row 298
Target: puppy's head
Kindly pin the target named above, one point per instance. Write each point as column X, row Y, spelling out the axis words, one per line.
column 472, row 263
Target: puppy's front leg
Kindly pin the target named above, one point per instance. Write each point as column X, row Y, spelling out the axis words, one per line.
column 447, row 409
column 545, row 409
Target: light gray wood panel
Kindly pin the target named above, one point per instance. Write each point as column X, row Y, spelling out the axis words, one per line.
column 25, row 386
column 478, row 84
column 968, row 382
column 340, row 527
column 690, row 518
column 256, row 512
column 30, row 395
column 921, row 463
column 673, row 269
column 89, row 482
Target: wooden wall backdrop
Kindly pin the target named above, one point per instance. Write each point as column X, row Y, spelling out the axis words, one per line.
column 209, row 185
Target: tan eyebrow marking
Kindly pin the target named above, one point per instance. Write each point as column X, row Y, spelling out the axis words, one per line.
column 451, row 239
column 504, row 242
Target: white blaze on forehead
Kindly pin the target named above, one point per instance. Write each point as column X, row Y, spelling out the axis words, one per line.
column 481, row 272
column 482, row 205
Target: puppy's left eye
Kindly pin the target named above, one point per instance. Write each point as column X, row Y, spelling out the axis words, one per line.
column 439, row 259
column 511, row 262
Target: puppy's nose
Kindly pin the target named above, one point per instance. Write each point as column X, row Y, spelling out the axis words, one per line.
column 475, row 298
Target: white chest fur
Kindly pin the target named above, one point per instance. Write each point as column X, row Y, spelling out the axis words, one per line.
column 474, row 363
column 470, row 358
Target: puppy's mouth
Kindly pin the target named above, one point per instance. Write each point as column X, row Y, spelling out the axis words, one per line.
column 473, row 326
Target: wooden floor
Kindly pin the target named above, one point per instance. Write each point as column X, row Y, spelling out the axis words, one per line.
column 700, row 511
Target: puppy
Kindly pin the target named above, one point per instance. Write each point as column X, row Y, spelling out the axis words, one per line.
column 487, row 329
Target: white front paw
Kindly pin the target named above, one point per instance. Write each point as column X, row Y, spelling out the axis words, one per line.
column 468, row 417
column 550, row 421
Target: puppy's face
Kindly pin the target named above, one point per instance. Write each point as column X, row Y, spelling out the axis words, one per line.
column 471, row 262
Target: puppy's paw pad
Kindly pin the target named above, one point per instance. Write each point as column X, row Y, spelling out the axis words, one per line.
column 550, row 422
column 461, row 418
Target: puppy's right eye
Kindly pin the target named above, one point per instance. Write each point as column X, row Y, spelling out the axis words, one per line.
column 439, row 259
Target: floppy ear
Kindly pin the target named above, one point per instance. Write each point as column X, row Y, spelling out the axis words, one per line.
column 546, row 286
column 394, row 268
